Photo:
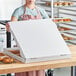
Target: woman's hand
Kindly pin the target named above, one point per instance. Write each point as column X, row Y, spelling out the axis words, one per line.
column 7, row 27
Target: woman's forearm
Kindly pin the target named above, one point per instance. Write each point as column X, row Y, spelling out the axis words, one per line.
column 14, row 18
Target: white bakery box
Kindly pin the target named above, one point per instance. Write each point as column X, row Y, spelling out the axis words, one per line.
column 37, row 40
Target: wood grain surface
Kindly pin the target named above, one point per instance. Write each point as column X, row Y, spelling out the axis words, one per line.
column 22, row 67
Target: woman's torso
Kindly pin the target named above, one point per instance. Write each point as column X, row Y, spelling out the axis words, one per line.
column 31, row 14
column 19, row 12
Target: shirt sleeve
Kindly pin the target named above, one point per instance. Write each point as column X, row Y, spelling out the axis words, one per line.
column 16, row 13
column 44, row 13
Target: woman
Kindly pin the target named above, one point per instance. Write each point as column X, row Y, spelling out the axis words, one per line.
column 29, row 11
column 26, row 12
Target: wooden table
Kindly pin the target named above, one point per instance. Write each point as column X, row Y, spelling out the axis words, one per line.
column 21, row 67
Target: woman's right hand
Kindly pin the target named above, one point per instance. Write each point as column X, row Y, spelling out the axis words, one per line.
column 7, row 27
column 7, row 24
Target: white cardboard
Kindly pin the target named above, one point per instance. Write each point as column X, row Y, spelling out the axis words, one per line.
column 39, row 40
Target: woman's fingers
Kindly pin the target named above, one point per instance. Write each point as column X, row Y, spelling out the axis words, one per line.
column 7, row 27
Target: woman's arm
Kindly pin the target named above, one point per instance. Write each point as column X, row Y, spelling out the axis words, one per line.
column 43, row 13
column 13, row 18
column 7, row 25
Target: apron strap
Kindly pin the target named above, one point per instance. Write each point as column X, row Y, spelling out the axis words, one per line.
column 24, row 9
column 35, row 8
column 38, row 11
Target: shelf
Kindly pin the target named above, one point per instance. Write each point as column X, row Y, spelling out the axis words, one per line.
column 71, row 42
column 67, row 25
column 67, row 14
column 45, row 0
column 73, row 1
column 4, row 22
column 44, row 5
column 73, row 35
column 65, row 6
column 2, row 32
column 38, row 2
column 61, row 8
column 69, row 31
column 46, row 8
column 62, row 20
